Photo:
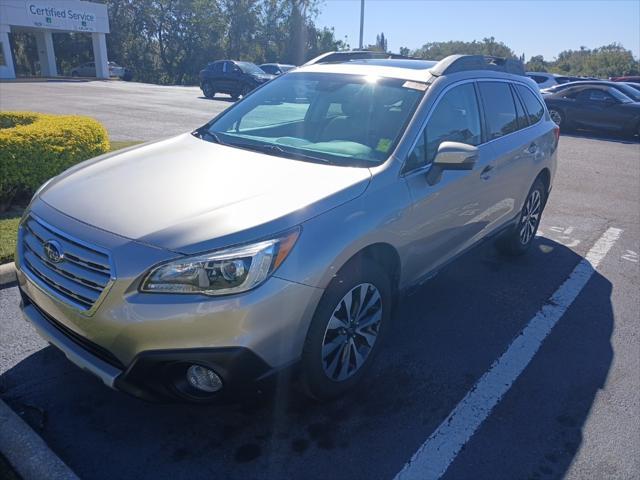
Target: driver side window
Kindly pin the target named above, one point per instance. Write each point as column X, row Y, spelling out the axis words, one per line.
column 455, row 118
column 594, row 95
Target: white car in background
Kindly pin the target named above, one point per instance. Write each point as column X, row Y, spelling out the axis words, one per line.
column 548, row 80
column 89, row 70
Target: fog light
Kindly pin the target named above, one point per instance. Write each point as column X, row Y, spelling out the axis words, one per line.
column 203, row 378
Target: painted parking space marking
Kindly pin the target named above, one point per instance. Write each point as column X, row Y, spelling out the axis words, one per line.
column 562, row 235
column 438, row 452
column 630, row 256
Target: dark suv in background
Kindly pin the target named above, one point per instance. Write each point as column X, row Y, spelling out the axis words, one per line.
column 231, row 77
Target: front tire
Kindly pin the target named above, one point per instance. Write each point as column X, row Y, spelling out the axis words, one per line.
column 209, row 89
column 347, row 330
column 519, row 239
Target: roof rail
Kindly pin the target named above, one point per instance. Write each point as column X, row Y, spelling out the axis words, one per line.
column 348, row 55
column 463, row 63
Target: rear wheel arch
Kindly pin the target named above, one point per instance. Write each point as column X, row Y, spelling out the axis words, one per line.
column 545, row 177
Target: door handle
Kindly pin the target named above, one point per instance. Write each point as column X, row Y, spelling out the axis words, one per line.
column 531, row 149
column 485, row 171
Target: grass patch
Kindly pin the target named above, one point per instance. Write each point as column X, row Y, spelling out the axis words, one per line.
column 119, row 145
column 9, row 221
column 8, row 233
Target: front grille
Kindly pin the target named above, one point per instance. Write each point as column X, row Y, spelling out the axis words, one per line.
column 78, row 279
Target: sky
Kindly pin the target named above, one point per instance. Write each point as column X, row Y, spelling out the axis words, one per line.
column 542, row 27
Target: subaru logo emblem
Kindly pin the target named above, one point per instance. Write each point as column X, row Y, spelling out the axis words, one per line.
column 53, row 251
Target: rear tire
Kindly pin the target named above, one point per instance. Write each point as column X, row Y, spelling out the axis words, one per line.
column 246, row 90
column 519, row 239
column 344, row 337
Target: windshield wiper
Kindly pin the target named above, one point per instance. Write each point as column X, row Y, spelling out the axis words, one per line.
column 204, row 134
column 272, row 149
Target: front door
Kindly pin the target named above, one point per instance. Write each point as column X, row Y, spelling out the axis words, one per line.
column 597, row 109
column 448, row 216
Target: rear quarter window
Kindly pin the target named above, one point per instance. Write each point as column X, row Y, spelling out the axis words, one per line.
column 499, row 108
column 535, row 109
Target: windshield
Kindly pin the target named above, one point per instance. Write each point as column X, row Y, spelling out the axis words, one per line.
column 629, row 91
column 248, row 67
column 340, row 119
column 619, row 95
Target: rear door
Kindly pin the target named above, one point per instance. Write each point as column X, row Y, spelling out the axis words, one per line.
column 448, row 216
column 507, row 177
column 598, row 109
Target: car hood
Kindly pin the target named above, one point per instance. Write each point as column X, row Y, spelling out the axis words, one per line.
column 184, row 193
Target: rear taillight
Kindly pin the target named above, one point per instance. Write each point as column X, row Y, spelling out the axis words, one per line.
column 556, row 131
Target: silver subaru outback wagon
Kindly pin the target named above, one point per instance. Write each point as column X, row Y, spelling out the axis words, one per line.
column 281, row 233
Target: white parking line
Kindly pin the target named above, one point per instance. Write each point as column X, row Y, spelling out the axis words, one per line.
column 436, row 454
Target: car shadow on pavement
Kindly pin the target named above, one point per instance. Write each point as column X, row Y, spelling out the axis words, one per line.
column 603, row 136
column 219, row 98
column 443, row 338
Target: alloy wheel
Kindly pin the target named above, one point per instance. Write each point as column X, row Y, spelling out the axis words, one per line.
column 351, row 332
column 556, row 116
column 530, row 217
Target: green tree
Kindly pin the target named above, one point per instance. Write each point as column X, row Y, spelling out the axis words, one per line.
column 440, row 50
column 537, row 64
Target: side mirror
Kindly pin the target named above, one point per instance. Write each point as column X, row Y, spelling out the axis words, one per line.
column 452, row 156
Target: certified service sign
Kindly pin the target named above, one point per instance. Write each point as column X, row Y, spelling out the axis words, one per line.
column 54, row 15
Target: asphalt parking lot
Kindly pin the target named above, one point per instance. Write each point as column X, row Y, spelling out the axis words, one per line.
column 572, row 413
column 130, row 111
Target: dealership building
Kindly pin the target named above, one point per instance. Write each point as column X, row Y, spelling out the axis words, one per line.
column 42, row 18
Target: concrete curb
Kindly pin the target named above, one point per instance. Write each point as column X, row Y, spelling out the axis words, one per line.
column 7, row 273
column 27, row 452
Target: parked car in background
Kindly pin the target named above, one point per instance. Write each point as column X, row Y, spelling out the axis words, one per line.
column 89, row 70
column 547, row 80
column 634, row 85
column 276, row 68
column 629, row 78
column 625, row 88
column 599, row 108
column 281, row 234
column 231, row 77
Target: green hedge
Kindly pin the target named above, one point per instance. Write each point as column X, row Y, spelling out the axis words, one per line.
column 35, row 147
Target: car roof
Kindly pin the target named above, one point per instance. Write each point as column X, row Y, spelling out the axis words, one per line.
column 596, row 83
column 417, row 70
column 379, row 69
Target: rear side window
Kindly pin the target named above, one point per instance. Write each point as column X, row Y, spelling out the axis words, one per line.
column 523, row 120
column 535, row 109
column 217, row 67
column 455, row 118
column 500, row 111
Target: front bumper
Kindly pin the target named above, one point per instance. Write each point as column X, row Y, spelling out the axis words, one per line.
column 243, row 337
column 154, row 375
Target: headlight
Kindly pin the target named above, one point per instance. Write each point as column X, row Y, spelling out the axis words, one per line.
column 222, row 272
